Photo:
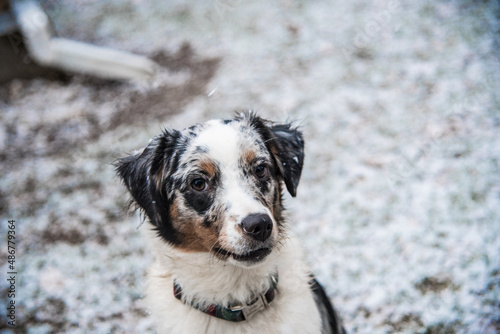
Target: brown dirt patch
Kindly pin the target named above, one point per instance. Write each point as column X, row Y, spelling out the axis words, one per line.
column 125, row 103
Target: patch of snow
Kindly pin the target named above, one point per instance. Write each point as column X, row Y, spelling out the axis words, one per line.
column 399, row 200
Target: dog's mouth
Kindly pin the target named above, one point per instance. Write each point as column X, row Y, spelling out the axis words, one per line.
column 253, row 256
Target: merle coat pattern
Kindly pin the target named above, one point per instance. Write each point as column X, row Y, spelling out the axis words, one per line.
column 213, row 196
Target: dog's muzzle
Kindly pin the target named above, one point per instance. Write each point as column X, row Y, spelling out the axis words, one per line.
column 257, row 229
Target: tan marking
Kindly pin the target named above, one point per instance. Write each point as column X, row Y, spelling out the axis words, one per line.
column 249, row 156
column 174, row 211
column 209, row 167
column 194, row 237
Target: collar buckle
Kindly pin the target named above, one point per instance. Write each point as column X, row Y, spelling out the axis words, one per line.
column 255, row 306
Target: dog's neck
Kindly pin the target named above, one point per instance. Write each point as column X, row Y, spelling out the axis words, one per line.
column 219, row 282
column 238, row 311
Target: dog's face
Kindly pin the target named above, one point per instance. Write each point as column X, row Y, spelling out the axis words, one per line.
column 217, row 187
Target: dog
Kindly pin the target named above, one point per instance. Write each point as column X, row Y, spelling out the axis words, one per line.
column 224, row 260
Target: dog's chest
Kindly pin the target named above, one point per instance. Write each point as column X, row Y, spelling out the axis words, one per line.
column 292, row 311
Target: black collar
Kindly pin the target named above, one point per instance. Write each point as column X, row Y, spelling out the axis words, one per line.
column 238, row 312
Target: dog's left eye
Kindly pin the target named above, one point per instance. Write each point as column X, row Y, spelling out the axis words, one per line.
column 261, row 171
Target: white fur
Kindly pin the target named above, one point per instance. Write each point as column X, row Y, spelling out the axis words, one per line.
column 213, row 281
column 224, row 143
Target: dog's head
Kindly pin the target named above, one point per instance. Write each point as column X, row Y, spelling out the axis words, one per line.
column 217, row 187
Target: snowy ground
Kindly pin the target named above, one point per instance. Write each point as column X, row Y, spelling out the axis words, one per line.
column 399, row 204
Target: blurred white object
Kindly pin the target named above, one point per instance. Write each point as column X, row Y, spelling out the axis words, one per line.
column 49, row 50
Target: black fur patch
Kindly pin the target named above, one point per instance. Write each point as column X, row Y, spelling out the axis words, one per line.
column 286, row 145
column 199, row 201
column 139, row 172
column 330, row 321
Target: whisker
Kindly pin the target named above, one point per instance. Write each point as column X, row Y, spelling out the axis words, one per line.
column 213, row 256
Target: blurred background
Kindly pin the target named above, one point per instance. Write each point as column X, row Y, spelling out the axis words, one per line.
column 399, row 203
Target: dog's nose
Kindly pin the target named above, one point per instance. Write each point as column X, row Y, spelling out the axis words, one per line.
column 258, row 226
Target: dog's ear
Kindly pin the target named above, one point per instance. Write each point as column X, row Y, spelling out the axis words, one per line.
column 286, row 144
column 145, row 174
column 288, row 149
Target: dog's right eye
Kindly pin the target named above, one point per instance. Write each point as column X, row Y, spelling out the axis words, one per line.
column 199, row 184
